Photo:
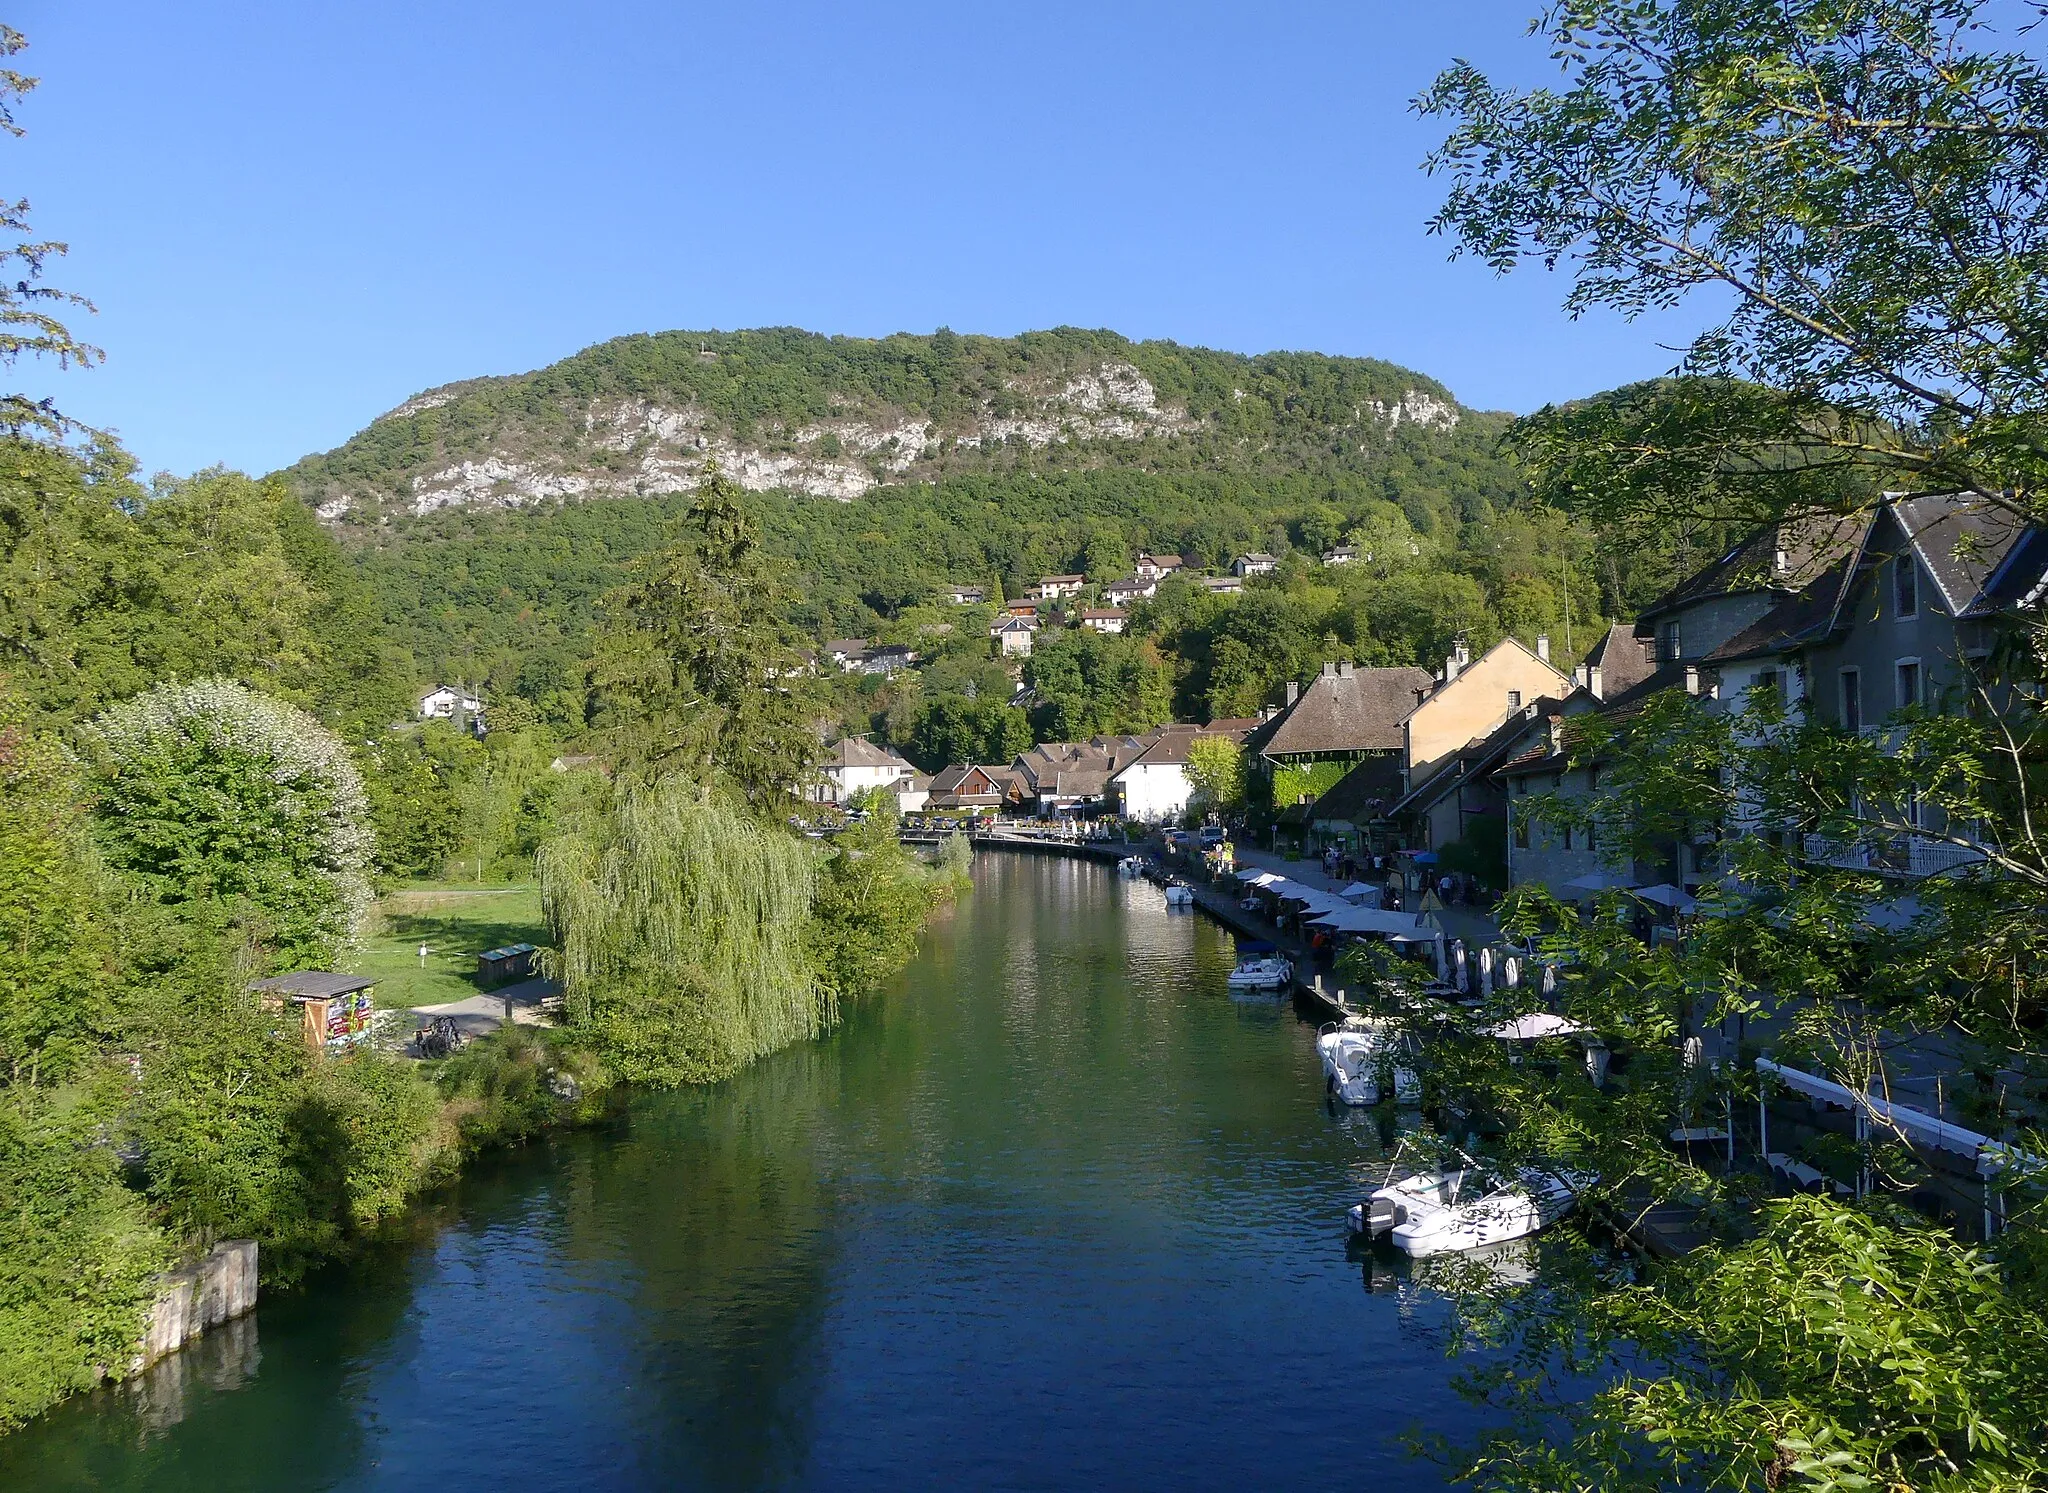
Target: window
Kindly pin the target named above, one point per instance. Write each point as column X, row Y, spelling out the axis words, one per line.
column 1567, row 837
column 1909, row 683
column 1766, row 679
column 1905, row 586
column 1514, row 700
column 1852, row 700
column 1668, row 645
column 1589, row 836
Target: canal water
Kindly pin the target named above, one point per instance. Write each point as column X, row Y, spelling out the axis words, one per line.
column 1053, row 1211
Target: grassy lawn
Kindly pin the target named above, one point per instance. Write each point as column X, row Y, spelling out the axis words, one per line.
column 456, row 923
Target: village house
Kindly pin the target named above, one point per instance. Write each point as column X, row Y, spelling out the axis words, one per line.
column 1898, row 624
column 1053, row 587
column 1470, row 698
column 1255, row 563
column 1156, row 567
column 1023, row 606
column 854, row 765
column 967, row 596
column 969, row 787
column 1346, row 717
column 445, row 702
column 1223, row 585
column 888, row 659
column 1072, row 778
column 844, row 652
column 1154, row 787
column 1134, row 588
column 1343, row 554
column 1012, row 636
column 1103, row 619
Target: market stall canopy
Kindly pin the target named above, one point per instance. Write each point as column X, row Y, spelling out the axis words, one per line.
column 1372, row 920
column 1599, row 881
column 1664, row 894
column 1357, row 890
column 1538, row 1024
column 1256, row 876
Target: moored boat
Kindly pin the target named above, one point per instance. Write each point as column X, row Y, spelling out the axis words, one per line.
column 1356, row 1057
column 1469, row 1208
column 1261, row 969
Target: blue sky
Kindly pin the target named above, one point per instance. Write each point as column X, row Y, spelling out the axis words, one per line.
column 294, row 216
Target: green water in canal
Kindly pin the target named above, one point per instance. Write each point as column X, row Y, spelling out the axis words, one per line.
column 1053, row 1211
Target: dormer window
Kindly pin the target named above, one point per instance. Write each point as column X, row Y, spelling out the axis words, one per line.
column 1905, row 587
column 1781, row 562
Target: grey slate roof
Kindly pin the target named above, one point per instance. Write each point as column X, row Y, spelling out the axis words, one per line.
column 1356, row 711
column 312, row 984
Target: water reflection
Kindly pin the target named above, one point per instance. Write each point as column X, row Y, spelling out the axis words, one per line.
column 1056, row 1212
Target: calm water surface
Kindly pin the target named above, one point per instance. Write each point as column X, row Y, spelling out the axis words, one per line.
column 1054, row 1212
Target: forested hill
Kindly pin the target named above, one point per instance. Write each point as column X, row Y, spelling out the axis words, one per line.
column 488, row 517
column 783, row 409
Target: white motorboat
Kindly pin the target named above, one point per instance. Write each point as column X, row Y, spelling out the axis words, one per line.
column 1132, row 865
column 1386, row 1207
column 1469, row 1208
column 1262, row 972
column 1179, row 895
column 1353, row 1056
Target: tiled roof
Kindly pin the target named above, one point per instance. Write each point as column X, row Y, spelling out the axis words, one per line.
column 1808, row 546
column 1359, row 710
column 1966, row 543
column 858, row 751
column 1623, row 659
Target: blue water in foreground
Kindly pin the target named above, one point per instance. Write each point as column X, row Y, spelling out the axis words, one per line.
column 1051, row 1212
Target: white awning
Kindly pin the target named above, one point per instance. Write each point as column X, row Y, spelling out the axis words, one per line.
column 1373, row 920
column 1917, row 1125
column 1539, row 1024
column 1358, row 889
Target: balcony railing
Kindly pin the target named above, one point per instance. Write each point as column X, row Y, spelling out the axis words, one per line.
column 1906, row 855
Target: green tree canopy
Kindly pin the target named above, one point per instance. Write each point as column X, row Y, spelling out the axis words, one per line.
column 210, row 792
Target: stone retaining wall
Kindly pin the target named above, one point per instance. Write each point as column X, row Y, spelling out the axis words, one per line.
column 194, row 1298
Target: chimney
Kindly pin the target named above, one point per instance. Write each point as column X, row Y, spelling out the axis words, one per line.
column 1692, row 679
column 1556, row 725
column 1595, row 685
column 1543, row 646
column 1293, row 692
column 1345, row 669
column 1453, row 663
column 1329, row 671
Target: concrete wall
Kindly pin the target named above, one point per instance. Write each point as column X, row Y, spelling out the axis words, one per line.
column 1474, row 703
column 194, row 1298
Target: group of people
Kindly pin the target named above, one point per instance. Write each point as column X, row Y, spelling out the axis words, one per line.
column 1453, row 888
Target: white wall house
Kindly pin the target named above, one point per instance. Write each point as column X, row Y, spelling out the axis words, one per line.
column 854, row 765
column 1155, row 787
column 442, row 702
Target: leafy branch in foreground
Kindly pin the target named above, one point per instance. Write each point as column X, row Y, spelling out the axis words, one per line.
column 27, row 328
column 1863, row 186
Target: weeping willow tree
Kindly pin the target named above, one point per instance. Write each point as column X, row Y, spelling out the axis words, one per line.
column 679, row 926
